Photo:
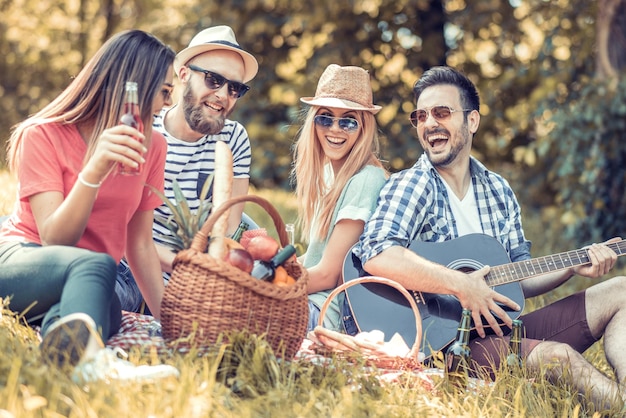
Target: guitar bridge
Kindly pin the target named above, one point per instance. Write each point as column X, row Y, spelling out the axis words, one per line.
column 419, row 298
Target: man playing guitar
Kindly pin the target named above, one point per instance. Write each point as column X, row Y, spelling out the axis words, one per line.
column 449, row 194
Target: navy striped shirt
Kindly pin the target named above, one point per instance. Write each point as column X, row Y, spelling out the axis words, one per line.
column 190, row 163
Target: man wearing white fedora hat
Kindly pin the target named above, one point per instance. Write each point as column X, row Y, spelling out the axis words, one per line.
column 212, row 72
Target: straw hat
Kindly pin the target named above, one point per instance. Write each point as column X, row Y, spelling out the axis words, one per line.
column 345, row 88
column 210, row 39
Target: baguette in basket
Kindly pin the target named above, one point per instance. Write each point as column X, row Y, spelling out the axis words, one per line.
column 222, row 190
column 206, row 296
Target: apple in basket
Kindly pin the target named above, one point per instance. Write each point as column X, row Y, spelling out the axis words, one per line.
column 263, row 247
column 240, row 258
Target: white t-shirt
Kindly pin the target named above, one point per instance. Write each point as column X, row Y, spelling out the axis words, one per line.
column 465, row 211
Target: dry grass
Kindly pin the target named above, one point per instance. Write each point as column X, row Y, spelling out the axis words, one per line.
column 244, row 379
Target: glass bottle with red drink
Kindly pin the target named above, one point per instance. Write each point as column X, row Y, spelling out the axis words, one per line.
column 131, row 117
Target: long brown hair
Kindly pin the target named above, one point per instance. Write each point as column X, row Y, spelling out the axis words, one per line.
column 95, row 97
column 312, row 192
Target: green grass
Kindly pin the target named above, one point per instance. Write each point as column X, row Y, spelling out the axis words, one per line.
column 244, row 379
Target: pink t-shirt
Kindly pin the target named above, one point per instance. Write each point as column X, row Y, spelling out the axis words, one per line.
column 51, row 156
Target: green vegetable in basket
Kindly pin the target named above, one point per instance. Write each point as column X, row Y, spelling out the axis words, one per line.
column 183, row 223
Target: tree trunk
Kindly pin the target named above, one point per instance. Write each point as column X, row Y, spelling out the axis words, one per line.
column 611, row 37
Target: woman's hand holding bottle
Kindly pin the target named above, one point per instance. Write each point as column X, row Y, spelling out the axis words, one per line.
column 117, row 145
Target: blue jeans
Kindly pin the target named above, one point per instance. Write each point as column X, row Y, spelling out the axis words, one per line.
column 128, row 292
column 347, row 319
column 60, row 280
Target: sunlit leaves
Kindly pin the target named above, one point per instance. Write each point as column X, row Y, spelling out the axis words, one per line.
column 584, row 154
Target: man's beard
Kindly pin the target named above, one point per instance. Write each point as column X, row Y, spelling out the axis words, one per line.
column 454, row 151
column 197, row 120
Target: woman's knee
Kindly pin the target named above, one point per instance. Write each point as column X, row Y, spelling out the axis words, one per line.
column 100, row 269
column 98, row 261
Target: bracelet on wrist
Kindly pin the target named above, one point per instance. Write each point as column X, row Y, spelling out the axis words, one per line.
column 86, row 183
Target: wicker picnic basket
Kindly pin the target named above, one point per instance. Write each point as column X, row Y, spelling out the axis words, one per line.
column 343, row 345
column 206, row 297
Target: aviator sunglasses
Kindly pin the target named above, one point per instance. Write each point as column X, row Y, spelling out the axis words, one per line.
column 346, row 124
column 215, row 81
column 438, row 112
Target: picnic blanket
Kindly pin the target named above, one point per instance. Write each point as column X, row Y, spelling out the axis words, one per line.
column 138, row 331
column 144, row 332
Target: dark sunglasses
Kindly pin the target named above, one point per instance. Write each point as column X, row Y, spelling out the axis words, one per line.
column 347, row 124
column 215, row 81
column 438, row 112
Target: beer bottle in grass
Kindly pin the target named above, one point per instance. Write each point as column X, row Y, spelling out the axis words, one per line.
column 457, row 356
column 514, row 359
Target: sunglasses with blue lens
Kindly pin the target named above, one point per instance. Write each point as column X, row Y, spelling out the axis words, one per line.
column 215, row 81
column 346, row 124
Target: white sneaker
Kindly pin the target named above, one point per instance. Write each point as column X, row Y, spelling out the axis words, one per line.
column 70, row 340
column 106, row 365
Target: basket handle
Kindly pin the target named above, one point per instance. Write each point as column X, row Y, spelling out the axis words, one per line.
column 373, row 279
column 201, row 239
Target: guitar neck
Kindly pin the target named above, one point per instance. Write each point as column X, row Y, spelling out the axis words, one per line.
column 521, row 270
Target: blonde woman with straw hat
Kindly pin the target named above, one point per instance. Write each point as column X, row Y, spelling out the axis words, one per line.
column 339, row 138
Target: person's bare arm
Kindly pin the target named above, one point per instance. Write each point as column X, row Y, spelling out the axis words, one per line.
column 166, row 257
column 240, row 188
column 143, row 260
column 602, row 258
column 327, row 273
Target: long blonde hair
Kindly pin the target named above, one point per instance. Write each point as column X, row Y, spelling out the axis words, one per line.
column 95, row 97
column 312, row 192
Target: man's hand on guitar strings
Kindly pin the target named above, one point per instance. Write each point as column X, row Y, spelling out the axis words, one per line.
column 483, row 301
column 602, row 259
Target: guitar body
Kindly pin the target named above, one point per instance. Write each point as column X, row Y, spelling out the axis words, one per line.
column 378, row 306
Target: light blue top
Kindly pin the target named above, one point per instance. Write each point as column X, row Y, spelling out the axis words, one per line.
column 357, row 202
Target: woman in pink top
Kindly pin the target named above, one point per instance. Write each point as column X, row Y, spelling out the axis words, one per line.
column 76, row 216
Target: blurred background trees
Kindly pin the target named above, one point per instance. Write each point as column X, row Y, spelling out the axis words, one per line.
column 550, row 74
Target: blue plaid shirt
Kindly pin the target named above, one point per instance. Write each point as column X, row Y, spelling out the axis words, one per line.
column 414, row 205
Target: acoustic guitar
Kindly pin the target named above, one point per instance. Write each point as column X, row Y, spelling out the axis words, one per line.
column 377, row 306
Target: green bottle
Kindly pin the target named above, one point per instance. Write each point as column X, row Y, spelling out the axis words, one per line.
column 458, row 354
column 243, row 227
column 264, row 270
column 514, row 359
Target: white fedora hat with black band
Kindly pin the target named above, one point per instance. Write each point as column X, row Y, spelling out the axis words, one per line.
column 217, row 37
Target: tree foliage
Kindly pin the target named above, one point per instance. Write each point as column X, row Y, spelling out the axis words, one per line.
column 539, row 65
column 586, row 152
column 583, row 149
